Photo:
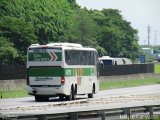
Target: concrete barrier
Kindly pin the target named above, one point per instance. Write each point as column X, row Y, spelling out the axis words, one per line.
column 13, row 84
column 129, row 77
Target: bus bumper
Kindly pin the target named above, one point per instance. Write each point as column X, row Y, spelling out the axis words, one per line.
column 49, row 91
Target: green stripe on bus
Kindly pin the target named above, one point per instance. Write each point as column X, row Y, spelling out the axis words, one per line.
column 59, row 55
column 42, row 71
column 45, row 72
column 80, row 72
column 69, row 71
column 88, row 72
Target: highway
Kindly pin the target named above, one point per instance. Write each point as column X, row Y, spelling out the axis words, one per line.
column 124, row 97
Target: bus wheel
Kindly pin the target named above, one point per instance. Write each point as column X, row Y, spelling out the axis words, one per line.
column 41, row 98
column 72, row 95
column 91, row 95
column 46, row 99
column 61, row 97
column 38, row 98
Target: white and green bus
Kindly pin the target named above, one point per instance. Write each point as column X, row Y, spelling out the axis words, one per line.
column 61, row 69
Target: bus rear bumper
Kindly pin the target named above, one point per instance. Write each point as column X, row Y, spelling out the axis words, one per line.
column 46, row 91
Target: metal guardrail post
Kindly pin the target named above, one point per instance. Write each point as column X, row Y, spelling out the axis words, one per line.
column 73, row 116
column 127, row 111
column 41, row 117
column 102, row 115
column 150, row 110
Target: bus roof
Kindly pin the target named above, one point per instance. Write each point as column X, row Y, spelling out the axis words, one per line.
column 63, row 45
column 106, row 58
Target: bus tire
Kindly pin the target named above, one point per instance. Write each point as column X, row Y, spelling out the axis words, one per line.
column 72, row 95
column 46, row 98
column 61, row 97
column 41, row 98
column 91, row 95
column 38, row 98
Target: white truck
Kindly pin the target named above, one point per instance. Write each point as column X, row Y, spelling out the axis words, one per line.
column 107, row 60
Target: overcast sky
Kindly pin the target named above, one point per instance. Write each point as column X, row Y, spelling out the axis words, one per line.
column 140, row 13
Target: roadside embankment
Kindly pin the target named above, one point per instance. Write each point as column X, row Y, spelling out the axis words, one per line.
column 17, row 84
column 129, row 77
column 21, row 83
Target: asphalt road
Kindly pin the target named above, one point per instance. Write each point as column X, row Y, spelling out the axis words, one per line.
column 116, row 98
column 138, row 91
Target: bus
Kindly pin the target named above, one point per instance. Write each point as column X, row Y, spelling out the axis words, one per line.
column 61, row 70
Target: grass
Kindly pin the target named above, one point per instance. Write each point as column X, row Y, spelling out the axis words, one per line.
column 128, row 83
column 13, row 93
column 157, row 68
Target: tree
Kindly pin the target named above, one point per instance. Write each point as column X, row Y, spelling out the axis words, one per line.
column 51, row 20
column 115, row 34
column 18, row 32
column 7, row 52
column 23, row 22
column 83, row 28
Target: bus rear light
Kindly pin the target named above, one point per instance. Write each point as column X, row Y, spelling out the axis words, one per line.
column 62, row 80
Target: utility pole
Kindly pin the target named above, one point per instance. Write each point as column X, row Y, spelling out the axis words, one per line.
column 144, row 42
column 149, row 31
column 155, row 37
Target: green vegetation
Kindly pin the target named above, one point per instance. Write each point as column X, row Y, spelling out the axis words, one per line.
column 13, row 93
column 156, row 48
column 23, row 22
column 149, row 56
column 157, row 68
column 128, row 83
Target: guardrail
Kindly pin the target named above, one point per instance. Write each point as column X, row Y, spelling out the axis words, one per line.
column 129, row 113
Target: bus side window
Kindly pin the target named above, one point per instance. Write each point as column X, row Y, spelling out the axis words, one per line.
column 68, row 57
